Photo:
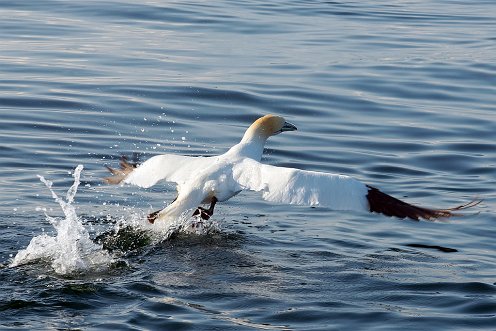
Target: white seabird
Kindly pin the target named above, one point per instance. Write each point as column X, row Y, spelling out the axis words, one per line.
column 208, row 180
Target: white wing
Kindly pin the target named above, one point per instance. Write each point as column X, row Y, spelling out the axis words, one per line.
column 167, row 167
column 294, row 186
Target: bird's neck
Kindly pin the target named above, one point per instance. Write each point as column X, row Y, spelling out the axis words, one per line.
column 251, row 146
column 253, row 142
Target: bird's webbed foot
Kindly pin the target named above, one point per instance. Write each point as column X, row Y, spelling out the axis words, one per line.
column 205, row 214
column 153, row 216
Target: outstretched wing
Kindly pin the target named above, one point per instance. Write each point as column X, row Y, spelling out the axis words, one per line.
column 339, row 192
column 167, row 167
column 383, row 203
column 300, row 187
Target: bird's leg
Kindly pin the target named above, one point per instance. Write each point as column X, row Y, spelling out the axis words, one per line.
column 205, row 214
column 153, row 216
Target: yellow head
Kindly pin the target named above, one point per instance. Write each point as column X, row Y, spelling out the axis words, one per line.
column 267, row 126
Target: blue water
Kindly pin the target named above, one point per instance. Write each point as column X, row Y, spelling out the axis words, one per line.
column 399, row 94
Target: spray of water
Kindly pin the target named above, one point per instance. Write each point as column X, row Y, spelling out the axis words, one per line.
column 71, row 250
column 165, row 229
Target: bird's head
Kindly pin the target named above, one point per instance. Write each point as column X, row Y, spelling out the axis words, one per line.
column 268, row 125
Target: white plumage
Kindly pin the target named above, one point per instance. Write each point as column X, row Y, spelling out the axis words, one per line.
column 168, row 167
column 300, row 187
column 218, row 178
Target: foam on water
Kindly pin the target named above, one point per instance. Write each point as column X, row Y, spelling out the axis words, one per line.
column 71, row 250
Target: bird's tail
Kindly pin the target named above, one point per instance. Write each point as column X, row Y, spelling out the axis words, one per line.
column 383, row 203
column 118, row 175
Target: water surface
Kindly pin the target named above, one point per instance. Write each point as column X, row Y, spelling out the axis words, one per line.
column 399, row 94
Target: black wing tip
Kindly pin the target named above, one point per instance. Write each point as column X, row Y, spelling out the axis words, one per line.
column 383, row 203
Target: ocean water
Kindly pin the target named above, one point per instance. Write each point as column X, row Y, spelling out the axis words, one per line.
column 399, row 94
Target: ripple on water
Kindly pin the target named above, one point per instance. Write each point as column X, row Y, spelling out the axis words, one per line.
column 399, row 94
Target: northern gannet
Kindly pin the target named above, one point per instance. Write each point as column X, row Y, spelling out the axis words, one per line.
column 208, row 180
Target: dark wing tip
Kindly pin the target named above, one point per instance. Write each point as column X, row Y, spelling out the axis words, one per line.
column 383, row 203
column 118, row 175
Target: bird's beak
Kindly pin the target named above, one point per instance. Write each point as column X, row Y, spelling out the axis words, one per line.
column 288, row 127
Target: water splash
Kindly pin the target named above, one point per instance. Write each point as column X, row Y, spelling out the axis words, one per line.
column 71, row 250
column 195, row 225
column 185, row 223
column 165, row 229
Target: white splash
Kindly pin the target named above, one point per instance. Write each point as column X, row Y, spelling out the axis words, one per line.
column 163, row 230
column 71, row 250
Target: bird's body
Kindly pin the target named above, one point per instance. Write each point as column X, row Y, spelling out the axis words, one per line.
column 203, row 180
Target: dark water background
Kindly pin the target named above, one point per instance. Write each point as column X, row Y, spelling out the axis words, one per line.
column 400, row 94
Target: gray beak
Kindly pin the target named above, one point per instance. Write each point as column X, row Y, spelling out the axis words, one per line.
column 288, row 127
